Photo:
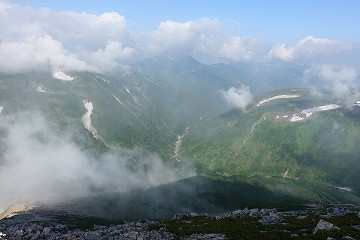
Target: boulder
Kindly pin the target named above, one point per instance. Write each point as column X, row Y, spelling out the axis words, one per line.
column 348, row 238
column 271, row 218
column 323, row 225
column 339, row 212
column 254, row 212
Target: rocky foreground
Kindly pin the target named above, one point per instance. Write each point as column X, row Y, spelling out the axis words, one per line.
column 308, row 222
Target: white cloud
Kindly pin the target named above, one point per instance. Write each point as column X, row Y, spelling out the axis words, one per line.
column 42, row 39
column 110, row 57
column 204, row 39
column 282, row 52
column 342, row 81
column 37, row 53
column 239, row 48
column 309, row 47
column 238, row 97
column 83, row 41
column 193, row 37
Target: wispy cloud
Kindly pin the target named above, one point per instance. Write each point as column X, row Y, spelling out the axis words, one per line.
column 342, row 81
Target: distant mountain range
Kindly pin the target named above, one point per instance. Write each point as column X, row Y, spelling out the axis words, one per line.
column 288, row 141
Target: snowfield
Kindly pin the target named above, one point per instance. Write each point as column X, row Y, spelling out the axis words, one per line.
column 347, row 189
column 296, row 118
column 62, row 76
column 178, row 143
column 308, row 112
column 276, row 97
column 86, row 119
column 320, row 108
column 40, row 89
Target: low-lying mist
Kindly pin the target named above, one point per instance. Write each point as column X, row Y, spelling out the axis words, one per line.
column 41, row 164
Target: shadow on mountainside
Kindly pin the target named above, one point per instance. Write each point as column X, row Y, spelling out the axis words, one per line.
column 191, row 195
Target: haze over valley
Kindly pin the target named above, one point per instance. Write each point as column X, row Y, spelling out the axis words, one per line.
column 200, row 115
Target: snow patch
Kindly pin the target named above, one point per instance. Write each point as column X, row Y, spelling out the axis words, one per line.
column 347, row 189
column 103, row 79
column 320, row 109
column 118, row 100
column 285, row 175
column 40, row 89
column 178, row 144
column 357, row 103
column 132, row 96
column 86, row 119
column 62, row 76
column 1, row 109
column 308, row 112
column 296, row 118
column 277, row 97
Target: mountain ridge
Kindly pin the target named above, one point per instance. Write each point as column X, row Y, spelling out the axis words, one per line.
column 173, row 106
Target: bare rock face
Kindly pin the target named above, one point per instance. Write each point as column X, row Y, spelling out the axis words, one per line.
column 14, row 209
column 323, row 225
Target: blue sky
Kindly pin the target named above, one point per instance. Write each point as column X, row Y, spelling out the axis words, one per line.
column 275, row 21
column 101, row 35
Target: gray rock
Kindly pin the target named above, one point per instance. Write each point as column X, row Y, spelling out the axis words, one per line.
column 271, row 218
column 46, row 231
column 323, row 225
column 348, row 238
column 358, row 214
column 356, row 227
column 264, row 211
column 18, row 233
column 339, row 212
column 245, row 212
column 254, row 212
column 236, row 213
column 205, row 236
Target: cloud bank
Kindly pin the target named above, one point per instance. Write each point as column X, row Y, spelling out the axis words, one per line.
column 43, row 165
column 307, row 48
column 41, row 39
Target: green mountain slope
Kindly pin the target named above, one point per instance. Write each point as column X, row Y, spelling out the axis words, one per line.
column 172, row 106
column 272, row 141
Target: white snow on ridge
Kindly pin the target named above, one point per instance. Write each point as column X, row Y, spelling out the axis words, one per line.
column 347, row 189
column 132, row 96
column 277, row 97
column 86, row 119
column 40, row 89
column 296, row 118
column 308, row 112
column 118, row 100
column 1, row 108
column 320, row 108
column 357, row 103
column 62, row 76
column 178, row 143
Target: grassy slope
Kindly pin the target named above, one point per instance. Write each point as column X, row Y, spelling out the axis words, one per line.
column 315, row 153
